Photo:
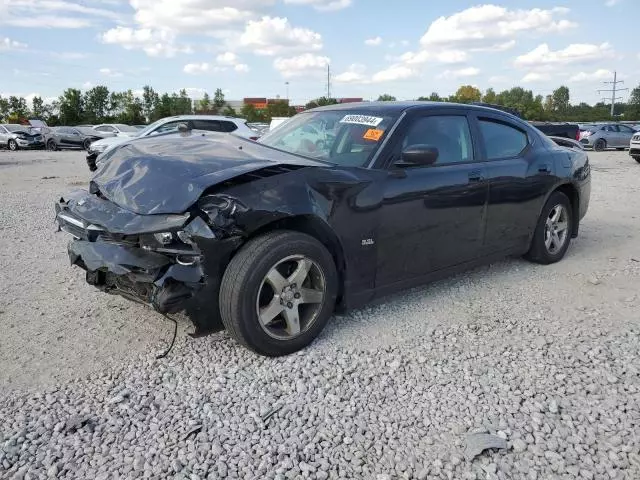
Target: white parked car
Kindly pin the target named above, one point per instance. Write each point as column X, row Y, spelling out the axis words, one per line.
column 117, row 129
column 634, row 147
column 211, row 123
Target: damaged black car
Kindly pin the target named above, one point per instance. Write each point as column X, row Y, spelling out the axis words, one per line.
column 271, row 237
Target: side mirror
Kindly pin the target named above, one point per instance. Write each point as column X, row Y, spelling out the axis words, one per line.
column 419, row 155
column 183, row 127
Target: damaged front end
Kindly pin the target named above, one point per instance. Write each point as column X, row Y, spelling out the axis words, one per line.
column 154, row 259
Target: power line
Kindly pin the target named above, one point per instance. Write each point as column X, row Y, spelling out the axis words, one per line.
column 613, row 91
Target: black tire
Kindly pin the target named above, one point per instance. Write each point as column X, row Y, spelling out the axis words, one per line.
column 242, row 281
column 12, row 145
column 538, row 252
column 86, row 144
column 51, row 145
column 620, row 149
column 600, row 145
column 637, row 159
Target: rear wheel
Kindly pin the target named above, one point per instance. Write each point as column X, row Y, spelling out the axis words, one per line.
column 12, row 145
column 86, row 144
column 637, row 159
column 600, row 145
column 553, row 232
column 51, row 145
column 278, row 292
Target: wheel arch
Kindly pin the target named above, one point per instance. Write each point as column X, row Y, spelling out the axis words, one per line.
column 572, row 193
column 318, row 229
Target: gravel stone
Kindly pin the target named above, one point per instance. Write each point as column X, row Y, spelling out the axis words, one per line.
column 392, row 391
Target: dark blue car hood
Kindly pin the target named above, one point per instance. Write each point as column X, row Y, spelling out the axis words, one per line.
column 168, row 174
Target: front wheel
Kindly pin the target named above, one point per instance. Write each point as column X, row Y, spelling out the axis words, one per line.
column 553, row 232
column 637, row 159
column 51, row 145
column 278, row 292
column 86, row 144
column 12, row 145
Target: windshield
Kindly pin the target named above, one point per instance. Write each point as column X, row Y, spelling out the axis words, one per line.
column 14, row 127
column 343, row 137
column 126, row 128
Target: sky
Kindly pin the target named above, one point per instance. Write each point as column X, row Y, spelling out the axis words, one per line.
column 253, row 48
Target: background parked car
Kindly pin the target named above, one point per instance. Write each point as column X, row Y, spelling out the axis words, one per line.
column 15, row 137
column 634, row 147
column 73, row 137
column 117, row 129
column 211, row 123
column 606, row 135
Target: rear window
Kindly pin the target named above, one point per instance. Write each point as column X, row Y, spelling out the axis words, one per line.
column 502, row 140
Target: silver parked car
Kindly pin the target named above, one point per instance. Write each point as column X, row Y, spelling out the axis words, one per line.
column 606, row 135
column 15, row 137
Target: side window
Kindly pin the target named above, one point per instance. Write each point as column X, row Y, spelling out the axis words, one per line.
column 210, row 125
column 612, row 128
column 228, row 126
column 102, row 129
column 167, row 127
column 450, row 134
column 64, row 130
column 502, row 140
column 625, row 129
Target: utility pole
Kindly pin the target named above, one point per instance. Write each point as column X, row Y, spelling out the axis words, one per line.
column 614, row 89
column 287, row 86
column 328, row 81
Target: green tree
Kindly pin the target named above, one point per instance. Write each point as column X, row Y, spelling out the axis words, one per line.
column 249, row 112
column 184, row 105
column 71, row 106
column 131, row 109
column 633, row 109
column 229, row 111
column 278, row 109
column 18, row 109
column 150, row 101
column 38, row 108
column 490, row 96
column 321, row 102
column 467, row 94
column 561, row 99
column 4, row 108
column 164, row 108
column 218, row 100
column 96, row 104
column 204, row 105
column 385, row 97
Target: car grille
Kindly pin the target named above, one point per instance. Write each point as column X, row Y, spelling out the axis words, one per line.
column 636, row 138
column 81, row 230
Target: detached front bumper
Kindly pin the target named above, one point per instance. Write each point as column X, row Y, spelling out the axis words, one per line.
column 29, row 143
column 118, row 261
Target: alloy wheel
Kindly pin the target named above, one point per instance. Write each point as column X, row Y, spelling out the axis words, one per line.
column 13, row 146
column 556, row 229
column 290, row 297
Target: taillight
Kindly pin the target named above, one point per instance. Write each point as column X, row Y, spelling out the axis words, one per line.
column 578, row 135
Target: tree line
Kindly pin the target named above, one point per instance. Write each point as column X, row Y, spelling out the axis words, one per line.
column 99, row 105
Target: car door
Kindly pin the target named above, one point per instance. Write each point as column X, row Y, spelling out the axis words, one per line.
column 64, row 136
column 612, row 136
column 520, row 170
column 432, row 217
column 4, row 136
column 625, row 135
column 75, row 138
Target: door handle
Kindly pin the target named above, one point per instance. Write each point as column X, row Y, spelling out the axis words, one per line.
column 475, row 176
column 544, row 169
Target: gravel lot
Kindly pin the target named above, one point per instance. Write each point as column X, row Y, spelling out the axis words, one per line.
column 546, row 358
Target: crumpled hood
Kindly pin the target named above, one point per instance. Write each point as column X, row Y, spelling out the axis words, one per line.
column 167, row 175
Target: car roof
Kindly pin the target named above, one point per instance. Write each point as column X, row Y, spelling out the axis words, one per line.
column 205, row 117
column 395, row 108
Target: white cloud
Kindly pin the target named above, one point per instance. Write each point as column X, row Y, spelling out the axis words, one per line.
column 196, row 68
column 322, row 5
column 460, row 73
column 192, row 15
column 373, row 42
column 7, row 44
column 535, row 77
column 107, row 72
column 354, row 74
column 600, row 74
column 301, row 65
column 442, row 56
column 276, row 36
column 543, row 56
column 194, row 93
column 393, row 73
column 241, row 68
column 487, row 26
column 227, row 58
column 52, row 14
column 154, row 43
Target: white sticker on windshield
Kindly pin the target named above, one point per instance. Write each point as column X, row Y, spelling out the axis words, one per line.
column 362, row 120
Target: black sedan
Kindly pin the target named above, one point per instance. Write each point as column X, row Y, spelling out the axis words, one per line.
column 73, row 137
column 271, row 237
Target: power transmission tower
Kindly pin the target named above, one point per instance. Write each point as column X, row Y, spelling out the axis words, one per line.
column 613, row 92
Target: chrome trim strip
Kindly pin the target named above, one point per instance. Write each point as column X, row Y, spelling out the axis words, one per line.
column 71, row 220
